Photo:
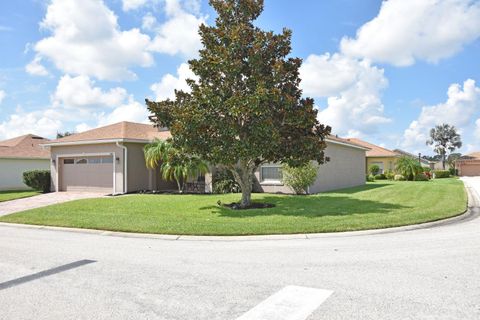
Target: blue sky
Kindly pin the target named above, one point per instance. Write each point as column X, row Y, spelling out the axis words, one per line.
column 385, row 72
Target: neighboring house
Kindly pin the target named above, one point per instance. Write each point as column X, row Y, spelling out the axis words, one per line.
column 384, row 158
column 110, row 159
column 424, row 162
column 345, row 169
column 18, row 155
column 468, row 165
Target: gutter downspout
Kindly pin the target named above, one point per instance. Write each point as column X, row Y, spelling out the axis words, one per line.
column 125, row 166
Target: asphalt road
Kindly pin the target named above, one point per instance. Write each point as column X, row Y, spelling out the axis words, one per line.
column 421, row 274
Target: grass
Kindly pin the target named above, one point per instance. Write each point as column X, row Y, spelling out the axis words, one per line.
column 16, row 194
column 375, row 205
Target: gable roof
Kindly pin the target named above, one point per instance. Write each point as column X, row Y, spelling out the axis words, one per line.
column 470, row 156
column 26, row 146
column 121, row 131
column 411, row 155
column 375, row 151
column 336, row 139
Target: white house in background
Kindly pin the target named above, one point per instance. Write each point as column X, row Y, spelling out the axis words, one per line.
column 18, row 155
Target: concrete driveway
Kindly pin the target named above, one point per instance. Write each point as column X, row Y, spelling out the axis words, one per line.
column 43, row 200
column 430, row 273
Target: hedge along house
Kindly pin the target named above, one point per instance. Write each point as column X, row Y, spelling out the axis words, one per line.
column 18, row 155
column 108, row 159
column 345, row 168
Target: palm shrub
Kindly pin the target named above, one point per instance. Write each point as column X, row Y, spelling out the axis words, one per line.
column 389, row 174
column 174, row 164
column 299, row 178
column 408, row 167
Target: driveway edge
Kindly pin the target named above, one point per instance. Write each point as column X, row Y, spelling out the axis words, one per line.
column 472, row 212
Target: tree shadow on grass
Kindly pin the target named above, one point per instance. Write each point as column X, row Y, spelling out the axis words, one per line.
column 365, row 187
column 310, row 207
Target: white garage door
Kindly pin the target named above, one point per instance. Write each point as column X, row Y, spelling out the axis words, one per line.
column 93, row 174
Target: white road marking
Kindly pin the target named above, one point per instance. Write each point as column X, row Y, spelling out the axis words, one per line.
column 290, row 303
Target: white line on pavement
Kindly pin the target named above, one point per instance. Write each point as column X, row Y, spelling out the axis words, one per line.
column 290, row 303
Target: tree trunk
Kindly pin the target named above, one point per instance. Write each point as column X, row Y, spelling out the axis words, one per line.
column 443, row 160
column 243, row 174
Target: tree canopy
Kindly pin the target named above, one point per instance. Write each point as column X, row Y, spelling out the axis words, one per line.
column 246, row 107
column 445, row 139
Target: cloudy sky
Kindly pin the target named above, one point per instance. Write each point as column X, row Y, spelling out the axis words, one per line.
column 382, row 71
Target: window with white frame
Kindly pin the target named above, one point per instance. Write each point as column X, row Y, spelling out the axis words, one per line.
column 271, row 173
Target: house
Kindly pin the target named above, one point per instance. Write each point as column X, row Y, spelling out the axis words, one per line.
column 384, row 158
column 110, row 159
column 468, row 165
column 345, row 169
column 423, row 162
column 18, row 155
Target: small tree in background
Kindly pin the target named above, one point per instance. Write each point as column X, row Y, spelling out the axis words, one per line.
column 408, row 167
column 64, row 134
column 174, row 164
column 246, row 108
column 299, row 178
column 374, row 169
column 445, row 139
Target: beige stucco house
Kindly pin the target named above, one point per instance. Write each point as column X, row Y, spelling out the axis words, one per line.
column 18, row 155
column 384, row 158
column 110, row 159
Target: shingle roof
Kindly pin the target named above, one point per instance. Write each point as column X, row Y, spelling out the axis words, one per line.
column 26, row 146
column 375, row 151
column 346, row 141
column 470, row 156
column 411, row 155
column 121, row 130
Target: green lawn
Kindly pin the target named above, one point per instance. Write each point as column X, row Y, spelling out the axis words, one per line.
column 16, row 194
column 377, row 205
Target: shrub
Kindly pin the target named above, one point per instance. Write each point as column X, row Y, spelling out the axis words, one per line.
column 408, row 167
column 374, row 169
column 453, row 172
column 399, row 177
column 299, row 178
column 370, row 178
column 224, row 182
column 380, row 176
column 426, row 169
column 389, row 175
column 421, row 177
column 428, row 174
column 441, row 173
column 37, row 180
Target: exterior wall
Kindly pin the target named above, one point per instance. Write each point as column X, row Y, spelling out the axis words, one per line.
column 345, row 169
column 468, row 168
column 388, row 163
column 11, row 171
column 139, row 177
column 62, row 151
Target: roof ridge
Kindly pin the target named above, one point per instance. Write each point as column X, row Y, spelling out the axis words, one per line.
column 376, row 145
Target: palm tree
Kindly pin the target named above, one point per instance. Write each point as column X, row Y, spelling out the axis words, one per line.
column 408, row 167
column 173, row 163
column 444, row 138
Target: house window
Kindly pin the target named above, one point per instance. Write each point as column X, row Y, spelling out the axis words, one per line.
column 81, row 161
column 107, row 159
column 68, row 161
column 93, row 160
column 271, row 173
column 380, row 165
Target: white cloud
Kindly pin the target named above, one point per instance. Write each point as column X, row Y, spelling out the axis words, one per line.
column 86, row 40
column 165, row 89
column 80, row 91
column 461, row 110
column 409, row 30
column 130, row 111
column 179, row 34
column 353, row 89
column 2, row 96
column 132, row 4
column 327, row 75
column 37, row 122
column 82, row 127
column 149, row 22
column 36, row 68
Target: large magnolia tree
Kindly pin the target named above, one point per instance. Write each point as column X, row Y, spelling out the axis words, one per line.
column 245, row 108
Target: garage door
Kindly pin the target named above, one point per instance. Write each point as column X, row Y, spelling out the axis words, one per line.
column 93, row 174
column 470, row 170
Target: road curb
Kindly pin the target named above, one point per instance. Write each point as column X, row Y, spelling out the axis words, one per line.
column 472, row 212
